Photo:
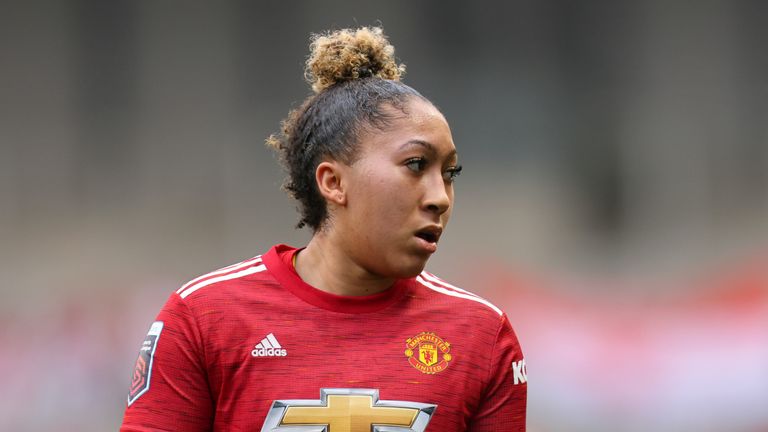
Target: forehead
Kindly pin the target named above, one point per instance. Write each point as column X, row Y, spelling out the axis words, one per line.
column 419, row 110
column 419, row 120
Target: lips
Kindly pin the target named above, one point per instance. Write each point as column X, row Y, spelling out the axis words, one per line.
column 429, row 236
column 430, row 233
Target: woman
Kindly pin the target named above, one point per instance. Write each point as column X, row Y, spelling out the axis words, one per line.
column 348, row 334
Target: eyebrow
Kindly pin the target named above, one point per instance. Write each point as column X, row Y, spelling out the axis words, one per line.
column 426, row 145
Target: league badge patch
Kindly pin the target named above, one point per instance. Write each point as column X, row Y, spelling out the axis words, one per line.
column 142, row 372
column 428, row 352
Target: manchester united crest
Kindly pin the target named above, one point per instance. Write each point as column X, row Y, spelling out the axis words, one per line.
column 428, row 352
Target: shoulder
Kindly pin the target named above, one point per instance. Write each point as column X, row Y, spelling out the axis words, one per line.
column 216, row 280
column 453, row 294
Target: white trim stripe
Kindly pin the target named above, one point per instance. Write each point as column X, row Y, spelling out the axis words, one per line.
column 446, row 291
column 241, row 273
column 434, row 279
column 271, row 338
column 227, row 269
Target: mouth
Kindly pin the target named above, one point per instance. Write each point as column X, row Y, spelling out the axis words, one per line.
column 430, row 234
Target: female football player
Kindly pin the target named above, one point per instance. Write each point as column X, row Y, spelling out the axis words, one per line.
column 349, row 333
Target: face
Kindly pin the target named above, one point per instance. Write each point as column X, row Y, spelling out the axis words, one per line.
column 399, row 193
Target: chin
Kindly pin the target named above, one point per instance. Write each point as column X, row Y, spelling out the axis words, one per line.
column 400, row 266
column 411, row 268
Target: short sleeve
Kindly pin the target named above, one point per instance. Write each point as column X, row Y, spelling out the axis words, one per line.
column 169, row 389
column 503, row 405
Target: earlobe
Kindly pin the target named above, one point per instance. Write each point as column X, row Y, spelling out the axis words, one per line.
column 329, row 182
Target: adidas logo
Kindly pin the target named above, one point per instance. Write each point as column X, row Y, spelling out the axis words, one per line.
column 269, row 347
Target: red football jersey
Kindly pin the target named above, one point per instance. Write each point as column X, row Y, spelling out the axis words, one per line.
column 252, row 347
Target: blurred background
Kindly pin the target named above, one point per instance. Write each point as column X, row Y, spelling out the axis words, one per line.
column 614, row 199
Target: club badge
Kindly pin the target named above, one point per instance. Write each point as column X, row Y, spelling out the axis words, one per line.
column 428, row 352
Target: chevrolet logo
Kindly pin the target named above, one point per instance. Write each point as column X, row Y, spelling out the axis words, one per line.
column 347, row 410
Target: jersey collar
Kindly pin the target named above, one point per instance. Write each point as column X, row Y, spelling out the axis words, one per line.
column 278, row 261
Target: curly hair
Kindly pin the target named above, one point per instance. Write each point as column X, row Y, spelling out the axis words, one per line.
column 355, row 78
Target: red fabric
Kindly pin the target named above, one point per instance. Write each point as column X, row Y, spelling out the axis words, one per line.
column 204, row 376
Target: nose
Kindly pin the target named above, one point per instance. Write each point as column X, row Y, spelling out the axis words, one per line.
column 438, row 194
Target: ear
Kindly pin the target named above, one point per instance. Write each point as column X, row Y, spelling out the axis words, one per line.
column 329, row 176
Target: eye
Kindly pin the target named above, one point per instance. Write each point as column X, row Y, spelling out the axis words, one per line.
column 416, row 164
column 451, row 173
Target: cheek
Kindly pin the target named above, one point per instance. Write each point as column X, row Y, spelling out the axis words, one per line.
column 385, row 200
column 386, row 203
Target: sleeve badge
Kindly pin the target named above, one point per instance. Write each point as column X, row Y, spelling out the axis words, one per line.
column 142, row 371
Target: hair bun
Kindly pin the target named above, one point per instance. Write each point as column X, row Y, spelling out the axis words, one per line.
column 348, row 54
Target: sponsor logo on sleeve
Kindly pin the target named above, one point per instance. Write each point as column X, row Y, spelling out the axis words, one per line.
column 519, row 372
column 142, row 371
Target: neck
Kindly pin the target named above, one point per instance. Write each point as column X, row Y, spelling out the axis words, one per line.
column 325, row 265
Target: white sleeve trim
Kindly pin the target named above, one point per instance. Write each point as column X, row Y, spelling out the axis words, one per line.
column 460, row 294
